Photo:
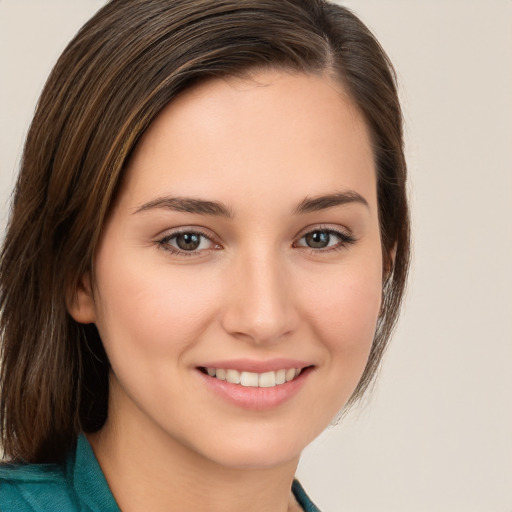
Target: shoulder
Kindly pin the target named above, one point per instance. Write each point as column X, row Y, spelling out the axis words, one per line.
column 34, row 487
column 77, row 484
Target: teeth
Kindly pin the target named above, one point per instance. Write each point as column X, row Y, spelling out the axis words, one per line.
column 249, row 379
column 280, row 376
column 233, row 376
column 254, row 380
column 290, row 374
column 267, row 380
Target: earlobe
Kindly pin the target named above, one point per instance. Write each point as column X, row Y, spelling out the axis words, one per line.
column 80, row 302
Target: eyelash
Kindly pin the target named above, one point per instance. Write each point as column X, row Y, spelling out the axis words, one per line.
column 164, row 242
column 345, row 240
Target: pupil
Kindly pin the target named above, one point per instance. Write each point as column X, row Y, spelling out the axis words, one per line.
column 318, row 239
column 188, row 241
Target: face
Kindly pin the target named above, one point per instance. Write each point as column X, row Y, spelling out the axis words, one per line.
column 244, row 245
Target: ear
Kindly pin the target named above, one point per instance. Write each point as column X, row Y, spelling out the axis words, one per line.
column 80, row 302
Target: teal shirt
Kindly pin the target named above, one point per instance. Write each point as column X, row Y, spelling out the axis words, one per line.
column 76, row 485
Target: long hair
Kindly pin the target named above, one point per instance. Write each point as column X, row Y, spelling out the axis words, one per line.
column 121, row 69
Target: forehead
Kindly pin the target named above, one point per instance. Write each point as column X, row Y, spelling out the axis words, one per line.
column 272, row 132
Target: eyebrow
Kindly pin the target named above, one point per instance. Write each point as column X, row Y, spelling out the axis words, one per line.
column 188, row 205
column 218, row 209
column 323, row 202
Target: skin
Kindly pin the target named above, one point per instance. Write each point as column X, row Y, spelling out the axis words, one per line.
column 259, row 145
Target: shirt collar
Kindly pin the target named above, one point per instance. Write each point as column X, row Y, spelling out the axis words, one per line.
column 87, row 479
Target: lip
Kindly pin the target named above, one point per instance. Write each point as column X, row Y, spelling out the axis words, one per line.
column 251, row 398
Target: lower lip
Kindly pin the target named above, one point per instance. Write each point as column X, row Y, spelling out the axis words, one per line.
column 257, row 399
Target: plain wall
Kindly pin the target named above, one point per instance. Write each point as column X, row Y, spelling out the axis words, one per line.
column 437, row 434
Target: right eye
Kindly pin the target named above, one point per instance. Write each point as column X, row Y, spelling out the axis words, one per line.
column 186, row 243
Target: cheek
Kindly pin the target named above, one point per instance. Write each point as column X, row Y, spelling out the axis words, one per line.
column 343, row 312
column 341, row 307
column 150, row 309
column 354, row 309
column 346, row 306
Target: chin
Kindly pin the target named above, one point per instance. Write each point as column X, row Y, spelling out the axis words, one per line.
column 251, row 458
column 258, row 450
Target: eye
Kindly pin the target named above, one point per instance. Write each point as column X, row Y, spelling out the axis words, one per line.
column 325, row 239
column 187, row 242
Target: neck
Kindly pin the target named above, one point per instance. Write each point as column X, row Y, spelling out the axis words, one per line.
column 149, row 470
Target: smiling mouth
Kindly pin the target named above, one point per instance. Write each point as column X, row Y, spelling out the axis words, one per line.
column 252, row 379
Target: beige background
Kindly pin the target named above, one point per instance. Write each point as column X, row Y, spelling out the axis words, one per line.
column 437, row 435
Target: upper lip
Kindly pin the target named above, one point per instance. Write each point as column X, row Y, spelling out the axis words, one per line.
column 252, row 365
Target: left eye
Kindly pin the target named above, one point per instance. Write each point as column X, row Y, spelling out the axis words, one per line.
column 188, row 241
column 323, row 239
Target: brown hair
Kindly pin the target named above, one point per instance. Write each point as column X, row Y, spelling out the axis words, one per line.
column 122, row 68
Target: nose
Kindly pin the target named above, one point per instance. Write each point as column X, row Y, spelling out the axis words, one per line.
column 259, row 305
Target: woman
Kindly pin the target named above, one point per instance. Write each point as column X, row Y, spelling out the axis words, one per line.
column 205, row 258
